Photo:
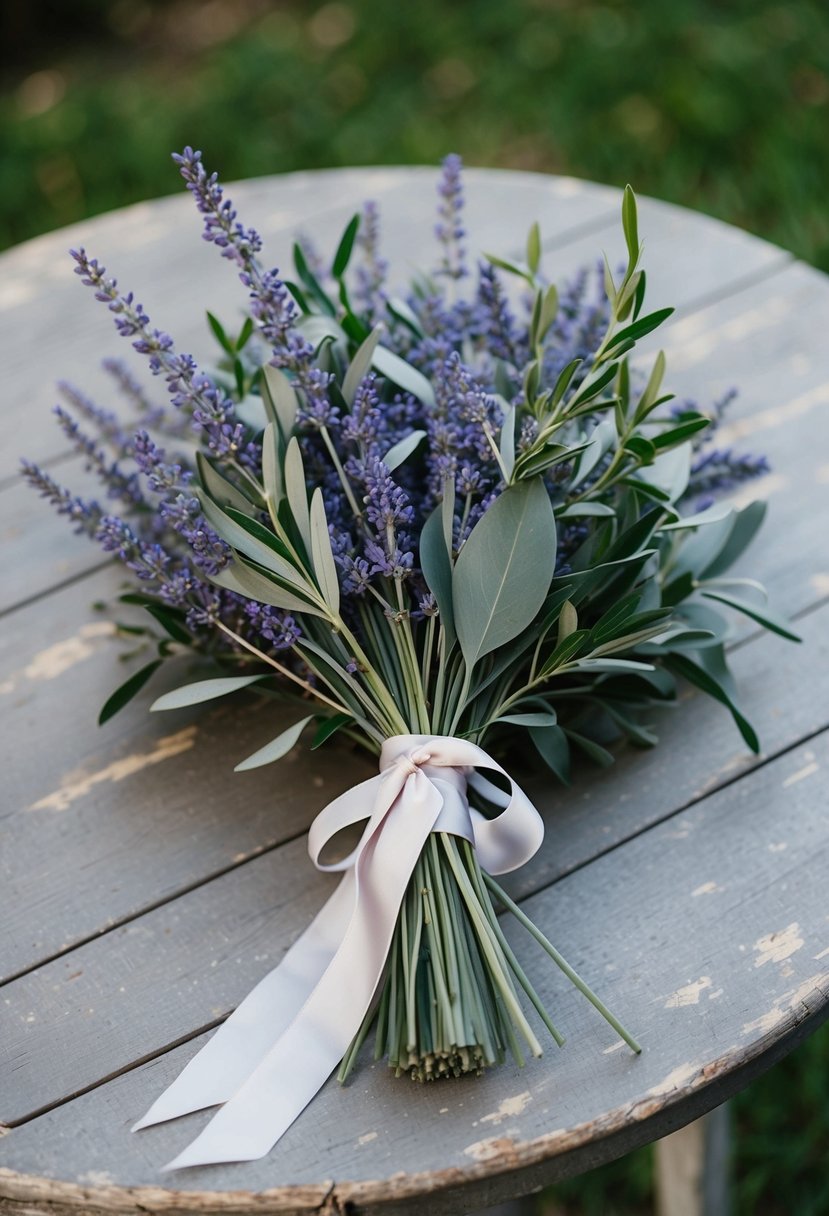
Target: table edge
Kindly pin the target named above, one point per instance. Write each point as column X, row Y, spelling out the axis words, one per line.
column 708, row 1087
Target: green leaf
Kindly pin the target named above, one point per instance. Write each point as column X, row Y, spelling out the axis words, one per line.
column 643, row 449
column 329, row 727
column 310, row 281
column 322, row 555
column 549, row 311
column 402, row 312
column 280, row 398
column 534, row 248
column 511, row 267
column 245, row 579
column 564, row 651
column 709, row 672
column 551, row 744
column 600, row 755
column 360, row 365
column 568, row 621
column 600, row 443
column 272, row 469
column 504, row 570
column 564, row 377
column 763, row 616
column 577, row 509
column 245, row 334
column 679, row 434
column 630, row 225
column 592, row 386
column 169, row 620
column 669, row 472
column 404, row 375
column 402, row 450
column 651, row 394
column 743, row 530
column 711, row 515
column 219, row 334
column 540, row 719
column 506, row 441
column 126, row 691
column 250, row 537
column 609, row 665
column 345, row 247
column 295, row 489
column 220, row 489
column 638, row 329
column 203, row 690
column 277, row 748
column 436, row 565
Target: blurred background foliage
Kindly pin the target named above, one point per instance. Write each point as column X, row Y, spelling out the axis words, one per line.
column 720, row 105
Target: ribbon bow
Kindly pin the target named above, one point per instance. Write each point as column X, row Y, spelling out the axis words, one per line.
column 272, row 1055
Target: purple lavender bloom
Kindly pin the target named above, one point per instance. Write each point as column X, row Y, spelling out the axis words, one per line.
column 449, row 229
column 120, row 485
column 278, row 628
column 84, row 514
column 372, row 269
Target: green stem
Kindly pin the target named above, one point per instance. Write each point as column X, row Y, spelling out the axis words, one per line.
column 560, row 962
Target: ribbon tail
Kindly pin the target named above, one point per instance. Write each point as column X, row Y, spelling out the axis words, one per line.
column 308, row 1051
column 226, row 1061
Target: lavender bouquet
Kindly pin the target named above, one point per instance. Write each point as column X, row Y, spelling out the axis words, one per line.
column 432, row 521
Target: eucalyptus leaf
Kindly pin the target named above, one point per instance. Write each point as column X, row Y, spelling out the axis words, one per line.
column 248, row 536
column 404, row 375
column 254, row 584
column 360, row 365
column 297, row 494
column 322, row 554
column 220, row 489
column 272, row 468
column 503, row 571
column 203, row 690
column 280, row 398
column 277, row 748
column 402, row 450
column 578, row 510
column 744, row 528
column 436, row 565
column 551, row 744
column 540, row 719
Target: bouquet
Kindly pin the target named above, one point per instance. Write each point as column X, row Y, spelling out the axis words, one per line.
column 434, row 522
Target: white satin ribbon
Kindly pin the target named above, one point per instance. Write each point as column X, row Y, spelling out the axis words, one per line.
column 272, row 1055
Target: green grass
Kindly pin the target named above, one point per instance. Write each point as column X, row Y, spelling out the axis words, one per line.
column 719, row 106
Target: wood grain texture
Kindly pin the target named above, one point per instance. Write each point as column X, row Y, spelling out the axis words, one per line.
column 162, row 886
column 705, row 1002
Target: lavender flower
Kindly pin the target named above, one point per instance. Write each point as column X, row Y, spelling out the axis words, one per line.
column 449, row 229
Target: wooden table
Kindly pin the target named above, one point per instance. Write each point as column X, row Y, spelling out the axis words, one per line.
column 147, row 887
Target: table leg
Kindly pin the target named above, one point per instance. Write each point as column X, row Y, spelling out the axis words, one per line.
column 692, row 1168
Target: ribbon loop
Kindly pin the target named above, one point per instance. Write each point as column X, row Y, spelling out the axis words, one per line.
column 273, row 1054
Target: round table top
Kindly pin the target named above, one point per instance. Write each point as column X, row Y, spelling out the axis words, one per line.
column 147, row 887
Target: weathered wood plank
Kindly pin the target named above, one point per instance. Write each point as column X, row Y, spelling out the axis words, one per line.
column 100, row 822
column 645, row 924
column 154, row 249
